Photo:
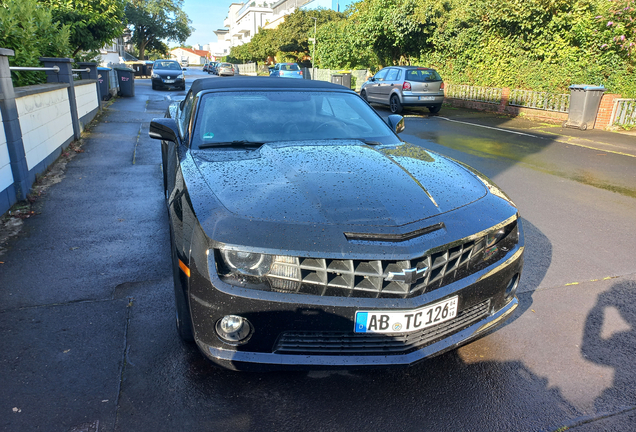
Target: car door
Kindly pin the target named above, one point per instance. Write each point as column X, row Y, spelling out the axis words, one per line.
column 387, row 86
column 171, row 160
column 373, row 89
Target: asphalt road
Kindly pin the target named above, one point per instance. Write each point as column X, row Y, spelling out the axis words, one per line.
column 87, row 337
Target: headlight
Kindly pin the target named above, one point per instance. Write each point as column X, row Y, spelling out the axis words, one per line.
column 497, row 241
column 154, row 75
column 180, row 76
column 247, row 263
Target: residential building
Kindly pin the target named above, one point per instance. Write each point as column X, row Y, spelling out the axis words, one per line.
column 245, row 19
column 282, row 8
column 222, row 47
column 194, row 57
column 113, row 53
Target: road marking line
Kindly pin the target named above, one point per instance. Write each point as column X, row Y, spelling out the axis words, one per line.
column 490, row 127
column 557, row 139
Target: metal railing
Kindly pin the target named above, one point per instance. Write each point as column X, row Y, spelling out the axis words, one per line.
column 24, row 68
column 624, row 112
column 474, row 93
column 539, row 100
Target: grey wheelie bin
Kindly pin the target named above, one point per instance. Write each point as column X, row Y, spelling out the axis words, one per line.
column 126, row 82
column 102, row 78
column 584, row 103
column 342, row 78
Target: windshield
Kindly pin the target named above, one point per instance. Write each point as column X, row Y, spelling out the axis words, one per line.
column 169, row 65
column 269, row 116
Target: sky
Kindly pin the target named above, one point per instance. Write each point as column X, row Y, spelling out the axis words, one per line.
column 208, row 15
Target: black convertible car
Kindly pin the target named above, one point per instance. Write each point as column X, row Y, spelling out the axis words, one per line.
column 305, row 233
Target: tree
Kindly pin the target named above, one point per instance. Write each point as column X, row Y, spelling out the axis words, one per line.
column 293, row 34
column 618, row 24
column 27, row 28
column 92, row 23
column 152, row 21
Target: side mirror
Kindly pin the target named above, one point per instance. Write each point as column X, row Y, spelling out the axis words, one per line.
column 165, row 129
column 185, row 68
column 396, row 122
column 372, row 79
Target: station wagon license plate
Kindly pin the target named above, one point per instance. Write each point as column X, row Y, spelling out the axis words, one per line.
column 405, row 321
column 427, row 98
column 168, row 81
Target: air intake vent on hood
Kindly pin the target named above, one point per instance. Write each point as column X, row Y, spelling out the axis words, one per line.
column 395, row 238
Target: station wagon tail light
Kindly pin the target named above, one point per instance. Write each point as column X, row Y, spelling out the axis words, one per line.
column 406, row 86
column 441, row 86
column 301, row 72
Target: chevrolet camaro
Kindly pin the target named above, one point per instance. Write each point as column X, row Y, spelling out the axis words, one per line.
column 305, row 233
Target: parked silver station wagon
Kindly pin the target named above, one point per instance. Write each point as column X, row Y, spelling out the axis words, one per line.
column 400, row 86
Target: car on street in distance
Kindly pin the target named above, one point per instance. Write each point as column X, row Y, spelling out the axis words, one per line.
column 212, row 68
column 225, row 69
column 206, row 66
column 286, row 70
column 400, row 86
column 167, row 73
column 317, row 238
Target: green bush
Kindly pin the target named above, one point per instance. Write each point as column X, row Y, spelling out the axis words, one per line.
column 27, row 28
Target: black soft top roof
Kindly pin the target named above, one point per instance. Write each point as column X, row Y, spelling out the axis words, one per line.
column 262, row 83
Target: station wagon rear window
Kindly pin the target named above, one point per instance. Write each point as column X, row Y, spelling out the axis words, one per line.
column 422, row 75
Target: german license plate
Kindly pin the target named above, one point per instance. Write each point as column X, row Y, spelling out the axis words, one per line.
column 427, row 97
column 168, row 81
column 405, row 321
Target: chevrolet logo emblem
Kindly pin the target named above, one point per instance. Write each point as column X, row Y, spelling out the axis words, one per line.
column 408, row 276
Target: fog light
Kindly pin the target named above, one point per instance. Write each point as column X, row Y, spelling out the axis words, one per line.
column 511, row 289
column 233, row 329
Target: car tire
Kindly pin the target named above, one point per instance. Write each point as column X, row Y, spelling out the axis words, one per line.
column 154, row 87
column 363, row 95
column 182, row 310
column 395, row 105
column 565, row 124
column 583, row 126
column 434, row 109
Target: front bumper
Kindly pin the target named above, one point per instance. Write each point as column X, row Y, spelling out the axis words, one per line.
column 273, row 315
column 161, row 82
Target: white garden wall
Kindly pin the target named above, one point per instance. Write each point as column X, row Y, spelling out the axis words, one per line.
column 86, row 98
column 6, row 176
column 46, row 123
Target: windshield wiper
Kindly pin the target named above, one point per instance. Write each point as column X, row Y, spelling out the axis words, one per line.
column 241, row 143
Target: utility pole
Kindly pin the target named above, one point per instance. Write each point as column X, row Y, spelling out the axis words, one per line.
column 313, row 53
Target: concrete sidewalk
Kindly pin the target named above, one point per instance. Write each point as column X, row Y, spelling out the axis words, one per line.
column 69, row 278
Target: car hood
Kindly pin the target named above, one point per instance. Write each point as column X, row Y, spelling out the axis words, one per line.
column 168, row 72
column 336, row 182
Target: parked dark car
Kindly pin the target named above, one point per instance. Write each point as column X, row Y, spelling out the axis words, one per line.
column 318, row 238
column 167, row 73
column 400, row 86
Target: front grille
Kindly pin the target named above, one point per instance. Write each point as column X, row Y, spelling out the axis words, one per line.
column 341, row 343
column 356, row 278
